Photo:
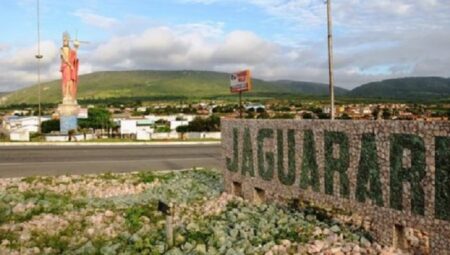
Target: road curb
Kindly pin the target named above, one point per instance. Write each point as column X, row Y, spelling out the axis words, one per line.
column 18, row 144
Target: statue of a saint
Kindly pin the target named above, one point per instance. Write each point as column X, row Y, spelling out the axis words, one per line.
column 69, row 69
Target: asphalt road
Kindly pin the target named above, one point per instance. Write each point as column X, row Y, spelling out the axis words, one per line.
column 19, row 161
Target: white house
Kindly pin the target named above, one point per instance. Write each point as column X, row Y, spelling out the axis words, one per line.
column 366, row 110
column 255, row 107
column 136, row 126
column 143, row 129
column 174, row 120
column 19, row 135
column 128, row 127
column 179, row 117
column 177, row 123
column 141, row 109
column 21, row 112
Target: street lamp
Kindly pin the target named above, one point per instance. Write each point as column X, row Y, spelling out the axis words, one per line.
column 39, row 57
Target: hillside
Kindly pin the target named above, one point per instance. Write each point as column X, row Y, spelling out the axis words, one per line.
column 159, row 84
column 310, row 88
column 133, row 85
column 420, row 88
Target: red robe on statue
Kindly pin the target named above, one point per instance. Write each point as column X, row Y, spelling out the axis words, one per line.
column 70, row 75
column 74, row 58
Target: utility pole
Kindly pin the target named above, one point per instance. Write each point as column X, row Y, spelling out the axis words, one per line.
column 330, row 57
column 240, row 104
column 39, row 57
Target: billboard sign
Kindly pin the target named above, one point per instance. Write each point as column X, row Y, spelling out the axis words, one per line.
column 241, row 81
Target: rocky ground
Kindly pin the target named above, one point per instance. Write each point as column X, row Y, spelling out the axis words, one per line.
column 117, row 214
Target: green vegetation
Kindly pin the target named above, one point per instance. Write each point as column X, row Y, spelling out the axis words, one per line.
column 425, row 88
column 247, row 155
column 442, row 194
column 368, row 178
column 49, row 126
column 159, row 85
column 210, row 124
column 232, row 164
column 135, row 88
column 45, row 201
column 413, row 174
column 310, row 171
column 265, row 173
column 334, row 140
column 98, row 118
column 289, row 177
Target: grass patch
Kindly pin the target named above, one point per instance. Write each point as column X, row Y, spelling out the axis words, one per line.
column 133, row 216
column 54, row 241
column 11, row 237
column 108, row 176
column 151, row 176
column 44, row 202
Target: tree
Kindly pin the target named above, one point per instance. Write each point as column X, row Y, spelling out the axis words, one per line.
column 250, row 115
column 283, row 116
column 307, row 116
column 260, row 110
column 386, row 114
column 375, row 112
column 345, row 116
column 263, row 115
column 182, row 129
column 211, row 124
column 323, row 116
column 162, row 122
column 316, row 110
column 98, row 118
column 49, row 126
column 162, row 129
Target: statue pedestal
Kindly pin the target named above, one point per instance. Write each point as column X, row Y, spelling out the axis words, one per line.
column 68, row 112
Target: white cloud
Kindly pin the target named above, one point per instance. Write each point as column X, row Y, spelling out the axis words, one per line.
column 18, row 67
column 373, row 40
column 3, row 47
column 96, row 20
column 184, row 47
column 243, row 47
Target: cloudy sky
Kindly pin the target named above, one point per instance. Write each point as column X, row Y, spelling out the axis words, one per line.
column 277, row 39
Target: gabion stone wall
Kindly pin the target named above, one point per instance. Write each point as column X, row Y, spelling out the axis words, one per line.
column 395, row 173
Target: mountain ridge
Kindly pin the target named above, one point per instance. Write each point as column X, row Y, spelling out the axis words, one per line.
column 154, row 84
column 189, row 84
column 425, row 87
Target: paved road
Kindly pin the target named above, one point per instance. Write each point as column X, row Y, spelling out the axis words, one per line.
column 18, row 161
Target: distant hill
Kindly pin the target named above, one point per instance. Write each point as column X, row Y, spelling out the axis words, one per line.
column 421, row 88
column 133, row 85
column 310, row 88
column 160, row 84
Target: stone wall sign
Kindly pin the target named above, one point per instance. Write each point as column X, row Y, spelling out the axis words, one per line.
column 396, row 173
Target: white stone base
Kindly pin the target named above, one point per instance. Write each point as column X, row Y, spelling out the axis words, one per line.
column 66, row 109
